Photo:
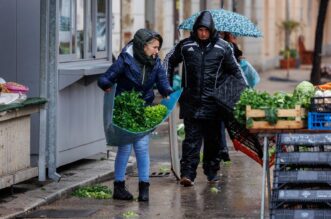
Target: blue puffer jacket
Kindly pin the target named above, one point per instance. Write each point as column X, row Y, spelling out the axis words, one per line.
column 126, row 73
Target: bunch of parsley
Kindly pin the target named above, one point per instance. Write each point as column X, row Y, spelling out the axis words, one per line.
column 131, row 113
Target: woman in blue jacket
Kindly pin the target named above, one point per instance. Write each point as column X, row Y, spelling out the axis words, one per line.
column 138, row 68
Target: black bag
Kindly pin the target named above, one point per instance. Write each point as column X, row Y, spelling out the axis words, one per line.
column 227, row 92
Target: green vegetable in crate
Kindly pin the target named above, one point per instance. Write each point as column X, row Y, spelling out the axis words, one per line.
column 130, row 112
column 303, row 92
column 271, row 103
column 254, row 98
column 271, row 115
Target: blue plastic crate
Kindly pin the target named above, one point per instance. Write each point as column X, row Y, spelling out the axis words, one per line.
column 319, row 121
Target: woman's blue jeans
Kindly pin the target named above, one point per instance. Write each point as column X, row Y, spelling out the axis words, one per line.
column 141, row 149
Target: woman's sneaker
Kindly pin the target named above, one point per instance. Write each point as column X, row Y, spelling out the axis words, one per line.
column 186, row 182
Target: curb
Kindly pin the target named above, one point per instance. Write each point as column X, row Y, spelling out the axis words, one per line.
column 92, row 172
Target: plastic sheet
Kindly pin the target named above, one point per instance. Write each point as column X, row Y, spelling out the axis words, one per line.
column 251, row 74
column 117, row 136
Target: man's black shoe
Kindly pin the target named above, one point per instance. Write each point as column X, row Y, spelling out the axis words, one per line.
column 225, row 156
column 213, row 178
column 186, row 182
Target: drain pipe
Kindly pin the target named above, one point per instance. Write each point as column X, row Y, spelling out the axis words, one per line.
column 52, row 86
column 43, row 89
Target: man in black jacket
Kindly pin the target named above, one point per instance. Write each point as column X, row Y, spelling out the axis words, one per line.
column 205, row 57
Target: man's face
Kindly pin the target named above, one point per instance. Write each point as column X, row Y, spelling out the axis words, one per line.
column 203, row 33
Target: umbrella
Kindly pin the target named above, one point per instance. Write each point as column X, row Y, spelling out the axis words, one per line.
column 227, row 21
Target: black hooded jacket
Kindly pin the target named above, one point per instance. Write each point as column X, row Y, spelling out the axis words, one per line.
column 201, row 67
column 204, row 20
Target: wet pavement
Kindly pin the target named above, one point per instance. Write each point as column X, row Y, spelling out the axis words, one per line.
column 236, row 195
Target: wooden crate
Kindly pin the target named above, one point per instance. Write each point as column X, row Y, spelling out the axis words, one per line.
column 297, row 123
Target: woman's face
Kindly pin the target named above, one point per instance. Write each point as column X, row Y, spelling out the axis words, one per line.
column 152, row 48
column 232, row 38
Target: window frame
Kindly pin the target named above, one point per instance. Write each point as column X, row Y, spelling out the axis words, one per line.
column 90, row 12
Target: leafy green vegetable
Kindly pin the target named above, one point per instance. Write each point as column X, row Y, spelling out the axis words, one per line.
column 255, row 99
column 95, row 191
column 272, row 151
column 130, row 214
column 271, row 103
column 214, row 190
column 271, row 115
column 164, row 169
column 249, row 122
column 303, row 93
column 130, row 112
column 227, row 163
column 154, row 115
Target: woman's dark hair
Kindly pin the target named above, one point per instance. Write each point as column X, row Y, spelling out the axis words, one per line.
column 226, row 36
column 157, row 37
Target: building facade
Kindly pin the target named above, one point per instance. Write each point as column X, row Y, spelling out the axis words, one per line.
column 268, row 15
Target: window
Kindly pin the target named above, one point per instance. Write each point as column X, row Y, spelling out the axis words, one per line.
column 83, row 28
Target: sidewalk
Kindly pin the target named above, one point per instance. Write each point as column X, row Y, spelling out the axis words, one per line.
column 32, row 194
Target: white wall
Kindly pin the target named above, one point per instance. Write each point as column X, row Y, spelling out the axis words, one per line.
column 213, row 4
column 116, row 41
column 195, row 6
column 138, row 14
column 165, row 25
column 134, row 14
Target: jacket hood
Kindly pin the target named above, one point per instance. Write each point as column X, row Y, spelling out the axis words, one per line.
column 205, row 19
column 140, row 39
column 128, row 54
column 143, row 36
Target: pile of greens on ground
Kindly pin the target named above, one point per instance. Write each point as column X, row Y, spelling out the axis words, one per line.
column 131, row 113
column 271, row 103
column 130, row 214
column 95, row 191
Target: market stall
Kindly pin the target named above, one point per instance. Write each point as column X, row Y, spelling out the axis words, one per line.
column 15, row 165
column 293, row 132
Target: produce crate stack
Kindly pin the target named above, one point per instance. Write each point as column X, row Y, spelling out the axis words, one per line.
column 246, row 142
column 302, row 176
column 319, row 117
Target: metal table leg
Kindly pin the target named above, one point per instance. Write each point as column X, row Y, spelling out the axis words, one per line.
column 265, row 167
column 268, row 177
